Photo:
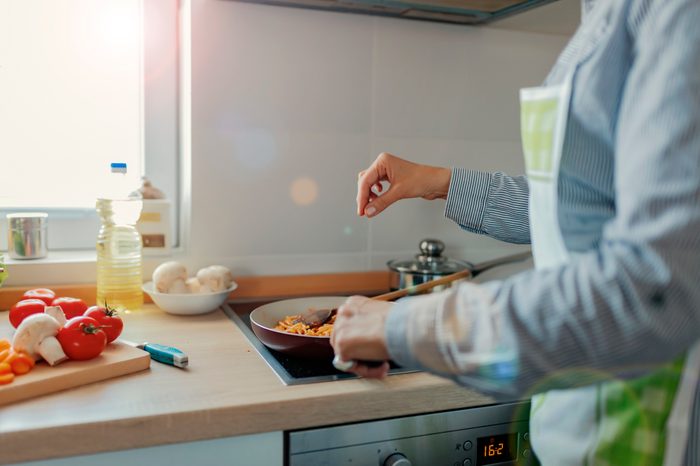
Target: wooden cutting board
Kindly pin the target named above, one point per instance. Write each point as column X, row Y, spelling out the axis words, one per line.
column 117, row 359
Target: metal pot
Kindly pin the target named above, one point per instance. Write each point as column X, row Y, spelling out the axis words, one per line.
column 429, row 265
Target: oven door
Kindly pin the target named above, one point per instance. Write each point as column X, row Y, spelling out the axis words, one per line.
column 485, row 435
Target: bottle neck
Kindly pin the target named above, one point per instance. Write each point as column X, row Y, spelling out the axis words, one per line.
column 119, row 212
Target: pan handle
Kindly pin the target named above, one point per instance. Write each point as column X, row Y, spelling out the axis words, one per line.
column 483, row 266
column 345, row 366
column 466, row 273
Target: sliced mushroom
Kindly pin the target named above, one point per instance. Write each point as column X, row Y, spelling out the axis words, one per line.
column 57, row 313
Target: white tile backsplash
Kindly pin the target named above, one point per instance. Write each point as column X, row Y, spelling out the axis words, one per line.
column 257, row 66
column 445, row 81
column 299, row 199
column 289, row 104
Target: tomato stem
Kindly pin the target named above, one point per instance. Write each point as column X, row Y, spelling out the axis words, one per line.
column 109, row 310
column 89, row 328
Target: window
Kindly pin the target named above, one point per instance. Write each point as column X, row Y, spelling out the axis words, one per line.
column 83, row 84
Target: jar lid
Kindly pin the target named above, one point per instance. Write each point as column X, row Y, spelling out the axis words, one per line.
column 27, row 220
column 429, row 261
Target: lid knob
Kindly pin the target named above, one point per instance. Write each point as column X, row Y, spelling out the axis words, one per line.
column 430, row 261
column 431, row 247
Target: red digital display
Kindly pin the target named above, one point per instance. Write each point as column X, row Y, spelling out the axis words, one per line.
column 496, row 449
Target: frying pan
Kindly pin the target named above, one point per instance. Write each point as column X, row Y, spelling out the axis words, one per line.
column 264, row 318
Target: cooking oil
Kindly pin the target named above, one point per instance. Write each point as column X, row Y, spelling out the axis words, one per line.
column 119, row 264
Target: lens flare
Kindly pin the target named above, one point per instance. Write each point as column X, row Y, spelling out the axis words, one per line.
column 304, row 191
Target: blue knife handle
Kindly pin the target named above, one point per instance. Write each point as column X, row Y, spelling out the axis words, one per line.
column 166, row 354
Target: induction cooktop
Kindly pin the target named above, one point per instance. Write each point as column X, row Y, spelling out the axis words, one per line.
column 294, row 370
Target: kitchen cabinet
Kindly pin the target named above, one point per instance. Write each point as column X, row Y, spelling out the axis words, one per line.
column 451, row 11
column 246, row 450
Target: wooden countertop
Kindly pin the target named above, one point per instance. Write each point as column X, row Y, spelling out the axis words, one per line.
column 227, row 390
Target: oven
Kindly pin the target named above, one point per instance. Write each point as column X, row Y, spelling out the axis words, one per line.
column 485, row 435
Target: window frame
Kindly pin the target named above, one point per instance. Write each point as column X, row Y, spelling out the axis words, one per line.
column 171, row 142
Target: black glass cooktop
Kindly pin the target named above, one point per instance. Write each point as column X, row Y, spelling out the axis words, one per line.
column 291, row 370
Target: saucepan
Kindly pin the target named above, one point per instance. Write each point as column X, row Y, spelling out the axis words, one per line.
column 264, row 318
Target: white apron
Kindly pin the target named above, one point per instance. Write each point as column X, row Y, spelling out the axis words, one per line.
column 636, row 422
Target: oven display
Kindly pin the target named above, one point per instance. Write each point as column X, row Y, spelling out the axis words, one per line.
column 496, row 449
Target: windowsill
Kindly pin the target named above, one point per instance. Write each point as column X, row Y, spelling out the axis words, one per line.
column 55, row 257
column 69, row 267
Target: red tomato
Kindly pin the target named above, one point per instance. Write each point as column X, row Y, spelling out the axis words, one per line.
column 72, row 307
column 25, row 308
column 44, row 294
column 109, row 320
column 82, row 338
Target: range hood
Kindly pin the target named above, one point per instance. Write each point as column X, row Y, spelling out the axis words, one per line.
column 452, row 11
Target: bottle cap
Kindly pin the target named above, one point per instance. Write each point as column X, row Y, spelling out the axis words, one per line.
column 118, row 167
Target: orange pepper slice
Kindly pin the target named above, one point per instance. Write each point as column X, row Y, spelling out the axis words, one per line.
column 5, row 368
column 5, row 344
column 10, row 356
column 6, row 378
column 4, row 354
column 22, row 363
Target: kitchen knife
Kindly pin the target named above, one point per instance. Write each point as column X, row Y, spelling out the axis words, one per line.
column 161, row 353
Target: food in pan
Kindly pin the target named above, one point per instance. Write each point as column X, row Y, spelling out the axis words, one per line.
column 294, row 324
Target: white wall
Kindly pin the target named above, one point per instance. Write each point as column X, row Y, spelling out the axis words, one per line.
column 281, row 95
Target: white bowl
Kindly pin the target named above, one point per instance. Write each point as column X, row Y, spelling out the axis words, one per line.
column 187, row 303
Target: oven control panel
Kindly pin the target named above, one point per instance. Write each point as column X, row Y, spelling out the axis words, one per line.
column 481, row 436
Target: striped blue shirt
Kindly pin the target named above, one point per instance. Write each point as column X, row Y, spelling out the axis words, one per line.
column 629, row 208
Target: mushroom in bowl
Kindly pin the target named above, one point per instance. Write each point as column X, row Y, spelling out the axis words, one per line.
column 188, row 303
column 175, row 293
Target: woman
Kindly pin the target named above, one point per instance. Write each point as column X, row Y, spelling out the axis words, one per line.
column 605, row 332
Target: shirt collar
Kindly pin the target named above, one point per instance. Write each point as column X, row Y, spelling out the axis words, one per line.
column 586, row 7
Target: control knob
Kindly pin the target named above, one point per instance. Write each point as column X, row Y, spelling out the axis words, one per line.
column 397, row 459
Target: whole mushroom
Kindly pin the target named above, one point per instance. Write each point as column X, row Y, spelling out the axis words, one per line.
column 170, row 277
column 214, row 278
column 36, row 336
column 193, row 285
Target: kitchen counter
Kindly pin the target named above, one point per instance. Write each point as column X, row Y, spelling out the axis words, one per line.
column 227, row 390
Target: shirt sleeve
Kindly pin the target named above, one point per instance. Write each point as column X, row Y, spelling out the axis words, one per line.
column 492, row 204
column 620, row 309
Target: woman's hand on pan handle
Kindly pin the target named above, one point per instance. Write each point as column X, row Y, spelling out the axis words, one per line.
column 406, row 180
column 358, row 335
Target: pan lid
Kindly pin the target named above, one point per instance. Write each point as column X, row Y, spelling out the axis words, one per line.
column 429, row 261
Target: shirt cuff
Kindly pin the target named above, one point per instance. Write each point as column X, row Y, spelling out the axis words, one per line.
column 396, row 334
column 467, row 197
column 412, row 332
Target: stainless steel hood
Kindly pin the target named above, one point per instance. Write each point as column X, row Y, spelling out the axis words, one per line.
column 452, row 11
